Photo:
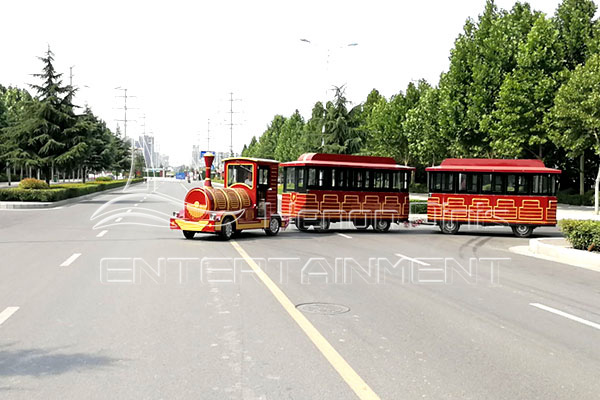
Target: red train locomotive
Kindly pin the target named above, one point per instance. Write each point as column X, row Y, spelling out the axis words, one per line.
column 248, row 200
column 324, row 188
column 517, row 193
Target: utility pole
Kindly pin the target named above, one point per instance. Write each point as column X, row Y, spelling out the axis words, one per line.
column 231, row 100
column 124, row 120
column 71, row 75
column 208, row 136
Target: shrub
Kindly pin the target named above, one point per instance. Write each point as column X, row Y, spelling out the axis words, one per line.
column 103, row 179
column 31, row 183
column 583, row 235
column 418, row 187
column 568, row 197
column 418, row 206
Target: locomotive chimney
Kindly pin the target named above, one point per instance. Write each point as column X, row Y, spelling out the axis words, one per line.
column 208, row 161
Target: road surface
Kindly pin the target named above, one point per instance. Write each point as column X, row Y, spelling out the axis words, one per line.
column 101, row 300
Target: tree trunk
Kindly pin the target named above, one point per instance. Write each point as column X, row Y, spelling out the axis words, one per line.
column 21, row 173
column 83, row 175
column 8, row 173
column 582, row 174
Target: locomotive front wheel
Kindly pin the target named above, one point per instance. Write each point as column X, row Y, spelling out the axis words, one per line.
column 522, row 231
column 189, row 234
column 449, row 227
column 227, row 228
column 273, row 228
column 382, row 225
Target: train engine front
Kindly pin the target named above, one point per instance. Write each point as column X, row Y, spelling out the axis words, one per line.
column 211, row 210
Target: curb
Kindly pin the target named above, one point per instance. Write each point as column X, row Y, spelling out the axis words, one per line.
column 565, row 255
column 32, row 205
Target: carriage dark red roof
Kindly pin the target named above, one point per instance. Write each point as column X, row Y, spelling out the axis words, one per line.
column 493, row 165
column 345, row 160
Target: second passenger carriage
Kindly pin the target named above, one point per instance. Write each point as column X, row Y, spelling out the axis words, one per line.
column 324, row 188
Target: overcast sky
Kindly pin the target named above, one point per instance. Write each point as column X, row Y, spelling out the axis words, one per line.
column 181, row 59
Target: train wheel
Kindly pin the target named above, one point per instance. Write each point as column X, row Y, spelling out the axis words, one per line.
column 382, row 225
column 189, row 234
column 322, row 226
column 273, row 228
column 227, row 228
column 300, row 225
column 449, row 227
column 522, row 231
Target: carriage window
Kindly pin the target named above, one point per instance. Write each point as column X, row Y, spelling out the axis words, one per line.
column 522, row 184
column 544, row 184
column 358, row 179
column 263, row 175
column 398, row 178
column 300, row 178
column 448, row 182
column 378, row 180
column 340, row 178
column 473, row 183
column 497, row 187
column 486, row 183
column 243, row 174
column 368, row 181
column 312, row 177
column 462, row 182
column 386, row 180
column 511, row 184
column 290, row 178
column 321, row 180
column 437, row 181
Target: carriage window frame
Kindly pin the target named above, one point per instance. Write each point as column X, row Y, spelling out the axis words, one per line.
column 289, row 171
column 263, row 175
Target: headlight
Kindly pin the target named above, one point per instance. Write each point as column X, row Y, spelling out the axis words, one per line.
column 212, row 216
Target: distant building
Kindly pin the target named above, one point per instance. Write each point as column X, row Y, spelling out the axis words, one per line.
column 147, row 145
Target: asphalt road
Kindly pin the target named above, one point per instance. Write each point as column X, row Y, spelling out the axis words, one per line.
column 95, row 308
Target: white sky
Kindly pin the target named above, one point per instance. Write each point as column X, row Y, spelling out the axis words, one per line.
column 182, row 58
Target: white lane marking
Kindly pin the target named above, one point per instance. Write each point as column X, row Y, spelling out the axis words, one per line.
column 135, row 205
column 183, row 186
column 119, row 219
column 412, row 259
column 101, row 234
column 129, row 210
column 6, row 314
column 566, row 315
column 70, row 260
column 345, row 236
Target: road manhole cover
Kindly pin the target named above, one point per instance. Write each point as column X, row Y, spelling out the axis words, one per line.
column 323, row 308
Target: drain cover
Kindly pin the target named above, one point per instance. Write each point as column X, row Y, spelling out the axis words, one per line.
column 323, row 308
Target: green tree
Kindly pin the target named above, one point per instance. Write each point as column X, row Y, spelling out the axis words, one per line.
column 527, row 94
column 289, row 145
column 576, row 113
column 341, row 135
column 313, row 130
column 575, row 22
column 267, row 142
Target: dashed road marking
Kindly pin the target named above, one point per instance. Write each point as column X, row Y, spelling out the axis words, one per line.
column 412, row 259
column 101, row 234
column 566, row 315
column 129, row 210
column 7, row 313
column 70, row 260
column 119, row 219
column 356, row 383
column 344, row 236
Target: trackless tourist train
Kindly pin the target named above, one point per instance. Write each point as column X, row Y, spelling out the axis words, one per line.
column 368, row 191
column 323, row 188
column 517, row 193
column 248, row 200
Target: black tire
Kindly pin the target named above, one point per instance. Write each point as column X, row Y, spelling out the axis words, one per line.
column 361, row 225
column 382, row 225
column 227, row 228
column 189, row 234
column 274, row 225
column 323, row 225
column 300, row 225
column 449, row 227
column 522, row 231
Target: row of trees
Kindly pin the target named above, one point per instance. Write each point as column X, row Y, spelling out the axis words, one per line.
column 520, row 85
column 45, row 136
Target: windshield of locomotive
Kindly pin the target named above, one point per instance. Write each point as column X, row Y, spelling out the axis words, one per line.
column 240, row 174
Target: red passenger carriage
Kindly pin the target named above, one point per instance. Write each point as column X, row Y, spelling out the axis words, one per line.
column 323, row 188
column 517, row 193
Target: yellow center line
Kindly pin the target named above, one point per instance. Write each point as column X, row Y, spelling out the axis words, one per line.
column 356, row 383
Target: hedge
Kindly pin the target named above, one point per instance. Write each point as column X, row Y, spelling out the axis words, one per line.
column 418, row 188
column 572, row 198
column 418, row 206
column 31, row 183
column 583, row 235
column 60, row 192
